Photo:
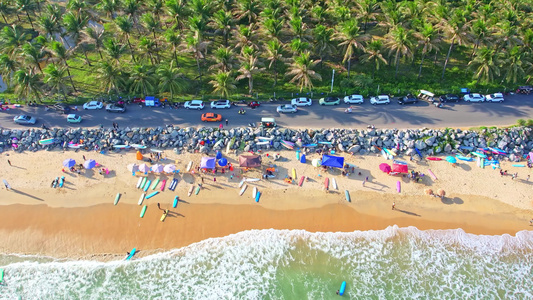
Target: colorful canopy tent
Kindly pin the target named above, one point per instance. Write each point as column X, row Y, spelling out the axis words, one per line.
column 89, row 164
column 385, row 168
column 144, row 168
column 249, row 161
column 399, row 167
column 69, row 163
column 208, row 163
column 139, row 155
column 333, row 161
column 169, row 168
column 451, row 159
column 133, row 168
column 157, row 168
column 222, row 162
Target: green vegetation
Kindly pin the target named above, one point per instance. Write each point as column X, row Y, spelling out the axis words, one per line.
column 184, row 49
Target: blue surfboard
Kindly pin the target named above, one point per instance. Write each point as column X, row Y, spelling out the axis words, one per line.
column 132, row 253
column 419, row 153
column 175, row 202
column 257, row 196
column 343, row 288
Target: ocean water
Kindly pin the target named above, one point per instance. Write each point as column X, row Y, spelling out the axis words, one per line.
column 395, row 263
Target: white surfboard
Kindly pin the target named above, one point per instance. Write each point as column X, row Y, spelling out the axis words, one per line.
column 189, row 166
column 138, row 146
column 243, row 189
column 252, row 179
column 262, row 143
column 141, row 199
column 334, row 183
column 254, row 192
column 190, row 190
column 75, row 146
column 139, row 182
column 242, row 182
column 264, row 138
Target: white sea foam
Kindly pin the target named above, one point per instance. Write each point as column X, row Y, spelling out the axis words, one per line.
column 274, row 264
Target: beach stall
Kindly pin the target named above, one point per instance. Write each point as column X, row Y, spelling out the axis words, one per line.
column 332, row 161
column 399, row 167
column 133, row 168
column 144, row 168
column 157, row 168
column 169, row 168
column 208, row 163
column 249, row 161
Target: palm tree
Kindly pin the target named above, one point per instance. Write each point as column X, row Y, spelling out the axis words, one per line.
column 8, row 66
column 62, row 54
column 151, row 23
column 33, row 55
column 12, row 38
column 302, row 71
column 109, row 7
column 323, row 44
column 223, row 23
column 223, row 83
column 177, row 10
column 481, row 34
column 96, row 35
column 199, row 27
column 225, row 59
column 77, row 5
column 367, row 11
column 274, row 54
column 297, row 46
column 299, row 28
column 374, row 55
column 148, row 48
column 27, row 84
column 74, row 26
column 249, row 66
column 515, row 62
column 455, row 27
column 155, row 7
column 245, row 37
column 26, row 6
column 485, row 65
column 170, row 79
column 48, row 26
column 54, row 11
column 272, row 28
column 507, row 35
column 400, row 42
column 55, row 78
column 131, row 8
column 194, row 45
column 429, row 37
column 142, row 79
column 5, row 9
column 200, row 8
column 109, row 77
column 247, row 10
column 350, row 39
column 174, row 39
column 114, row 49
column 125, row 26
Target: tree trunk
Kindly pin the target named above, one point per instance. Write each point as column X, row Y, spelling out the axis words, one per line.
column 31, row 23
column 198, row 66
column 396, row 60
column 435, row 61
column 100, row 52
column 176, row 56
column 131, row 49
column 349, row 65
column 5, row 20
column 86, row 57
column 422, row 62
column 250, row 84
column 70, row 76
column 447, row 58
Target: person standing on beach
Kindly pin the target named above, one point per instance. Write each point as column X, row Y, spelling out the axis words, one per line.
column 227, row 122
column 159, row 205
column 364, row 181
column 9, row 162
column 527, row 179
column 393, row 205
column 84, row 158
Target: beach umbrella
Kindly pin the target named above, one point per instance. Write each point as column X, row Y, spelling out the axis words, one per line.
column 69, row 163
column 144, row 168
column 303, row 159
column 316, row 163
column 133, row 168
column 218, row 155
column 169, row 168
column 451, row 159
column 157, row 168
column 223, row 162
column 208, row 163
column 386, row 168
column 139, row 155
column 89, row 164
column 332, row 161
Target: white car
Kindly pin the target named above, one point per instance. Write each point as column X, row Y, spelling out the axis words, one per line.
column 72, row 118
column 303, row 101
column 496, row 97
column 194, row 104
column 93, row 105
column 287, row 108
column 354, row 99
column 474, row 98
column 220, row 104
column 381, row 99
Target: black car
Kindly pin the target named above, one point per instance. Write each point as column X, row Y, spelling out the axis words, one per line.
column 409, row 99
column 527, row 89
column 115, row 108
column 449, row 98
column 62, row 108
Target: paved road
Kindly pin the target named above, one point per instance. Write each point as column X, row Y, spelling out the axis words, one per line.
column 382, row 116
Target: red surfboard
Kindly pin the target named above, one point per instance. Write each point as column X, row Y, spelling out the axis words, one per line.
column 434, row 158
column 301, row 181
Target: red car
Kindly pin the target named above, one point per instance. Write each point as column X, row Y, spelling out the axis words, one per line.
column 138, row 100
column 254, row 104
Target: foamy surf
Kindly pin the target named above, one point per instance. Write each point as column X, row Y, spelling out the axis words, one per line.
column 394, row 263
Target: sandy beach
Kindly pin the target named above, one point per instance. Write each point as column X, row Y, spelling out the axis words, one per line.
column 80, row 220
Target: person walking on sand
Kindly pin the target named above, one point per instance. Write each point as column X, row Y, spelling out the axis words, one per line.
column 227, row 122
column 531, row 222
column 364, row 181
column 9, row 162
column 393, row 205
column 527, row 179
column 214, row 179
column 220, row 126
column 159, row 205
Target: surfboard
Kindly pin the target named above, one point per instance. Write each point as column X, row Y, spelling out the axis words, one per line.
column 297, row 154
column 138, row 146
column 132, row 253
column 164, row 216
column 176, row 199
column 61, row 181
column 121, row 146
column 117, row 198
column 287, row 146
column 156, row 182
column 189, row 166
column 173, row 184
column 252, row 179
column 141, row 199
column 163, row 184
column 254, row 192
column 398, row 186
column 190, row 190
column 432, row 175
column 384, row 154
column 334, row 183
column 139, row 182
column 325, row 143
column 326, row 183
column 230, row 144
column 262, row 143
column 310, row 145
column 257, row 196
column 242, row 182
column 147, row 185
column 389, row 152
column 56, row 182
column 519, row 165
column 46, row 142
column 1, row 276
column 419, row 153
column 143, row 211
column 294, row 173
column 151, row 195
column 143, row 182
column 197, row 190
column 433, row 158
column 75, row 146
column 301, row 181
column 156, row 150
column 265, row 138
column 342, row 289
column 243, row 189
column 479, row 154
column 464, row 158
column 347, row 195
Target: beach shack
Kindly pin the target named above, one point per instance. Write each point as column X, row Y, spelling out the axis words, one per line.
column 152, row 101
column 268, row 122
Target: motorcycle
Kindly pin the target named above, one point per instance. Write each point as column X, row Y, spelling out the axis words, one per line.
column 242, row 111
column 438, row 104
column 348, row 110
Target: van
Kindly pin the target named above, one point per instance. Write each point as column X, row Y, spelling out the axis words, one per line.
column 268, row 122
column 152, row 101
column 426, row 96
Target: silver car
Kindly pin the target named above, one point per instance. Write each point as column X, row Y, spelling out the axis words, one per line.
column 287, row 108
column 24, row 120
column 220, row 104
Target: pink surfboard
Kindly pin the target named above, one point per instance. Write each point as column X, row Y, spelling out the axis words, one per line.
column 163, row 183
column 432, row 175
column 398, row 186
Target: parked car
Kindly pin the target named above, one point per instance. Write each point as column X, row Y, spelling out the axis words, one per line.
column 72, row 118
column 474, row 98
column 254, row 104
column 24, row 120
column 426, row 96
column 220, row 104
column 211, row 117
column 151, row 101
column 526, row 89
column 381, row 99
column 287, row 108
column 115, row 108
column 302, row 101
column 354, row 99
column 409, row 99
column 329, row 101
column 449, row 98
column 138, row 100
column 496, row 97
column 93, row 105
column 62, row 108
column 194, row 104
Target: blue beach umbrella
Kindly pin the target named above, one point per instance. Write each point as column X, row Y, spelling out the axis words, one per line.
column 222, row 162
column 89, row 164
column 69, row 163
column 219, row 155
column 451, row 159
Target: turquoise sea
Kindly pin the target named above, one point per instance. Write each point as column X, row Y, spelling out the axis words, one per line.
column 395, row 263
